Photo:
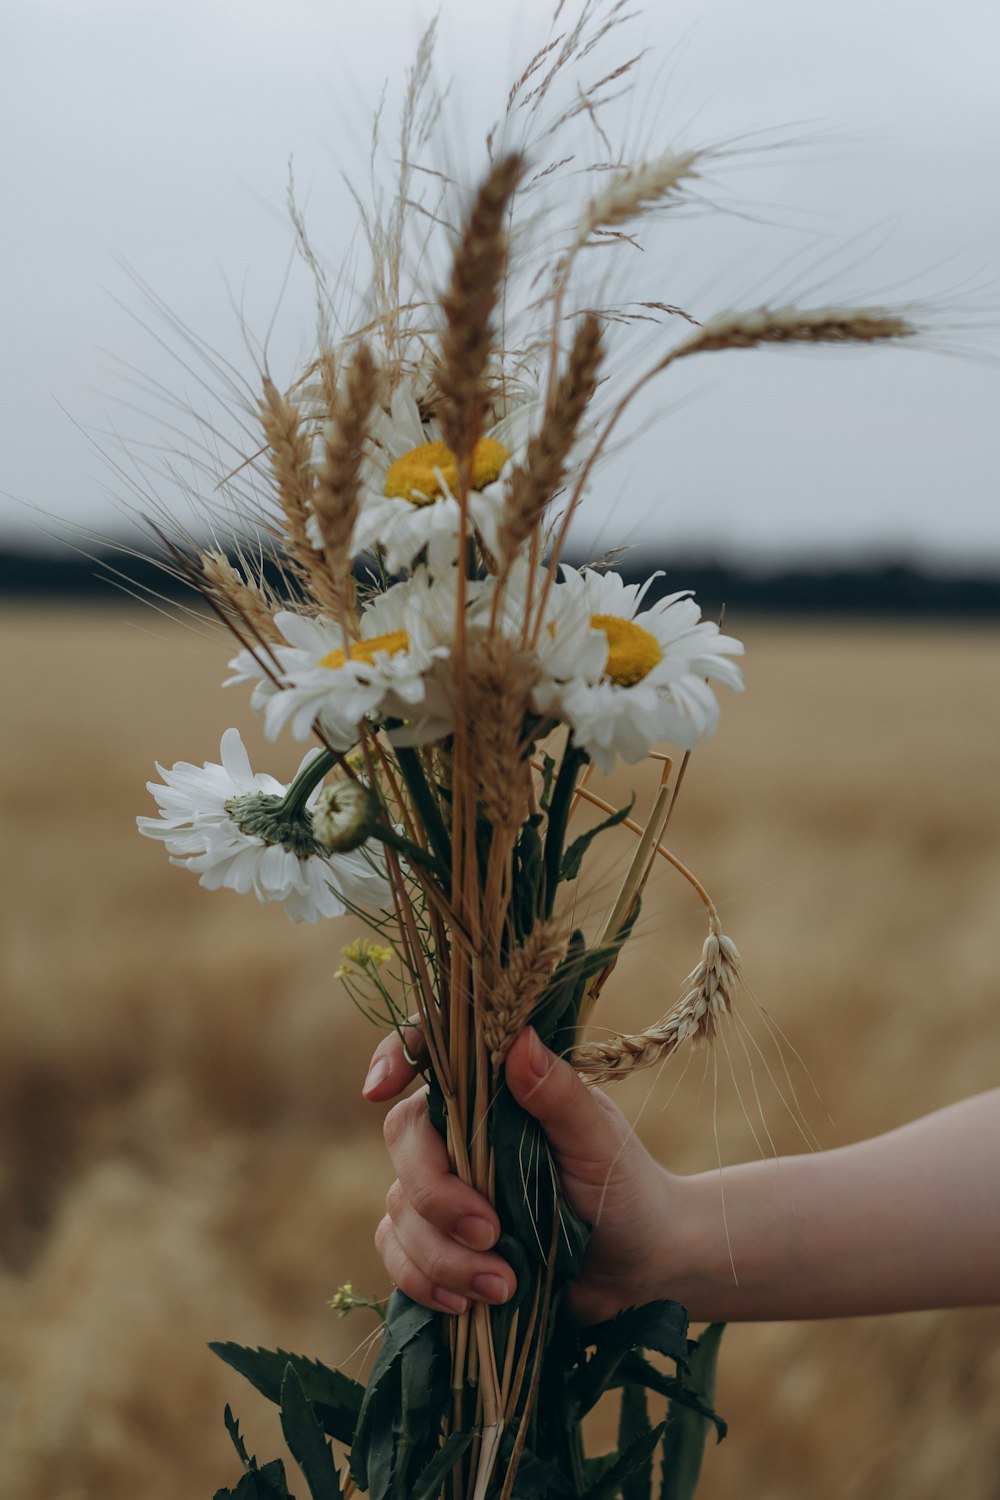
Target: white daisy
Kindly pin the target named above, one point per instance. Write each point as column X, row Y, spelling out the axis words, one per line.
column 568, row 648
column 410, row 477
column 652, row 684
column 225, row 823
column 387, row 673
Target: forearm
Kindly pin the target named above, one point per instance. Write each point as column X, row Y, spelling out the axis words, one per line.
column 907, row 1220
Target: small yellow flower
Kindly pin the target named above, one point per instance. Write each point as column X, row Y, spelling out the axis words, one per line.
column 361, row 954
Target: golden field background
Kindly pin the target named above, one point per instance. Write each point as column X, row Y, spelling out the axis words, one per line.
column 184, row 1153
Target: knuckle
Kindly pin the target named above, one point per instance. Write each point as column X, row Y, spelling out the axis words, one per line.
column 395, row 1199
column 410, row 1280
column 394, row 1124
column 425, row 1196
column 438, row 1265
column 383, row 1230
column 403, row 1117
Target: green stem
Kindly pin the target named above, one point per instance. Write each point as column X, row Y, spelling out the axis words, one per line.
column 412, row 852
column 306, row 781
column 425, row 803
column 559, row 806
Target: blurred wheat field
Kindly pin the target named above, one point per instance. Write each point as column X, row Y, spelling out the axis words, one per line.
column 186, row 1155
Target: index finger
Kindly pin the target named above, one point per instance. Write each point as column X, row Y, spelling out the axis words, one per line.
column 390, row 1069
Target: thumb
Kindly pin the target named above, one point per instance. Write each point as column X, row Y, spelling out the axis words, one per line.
column 582, row 1125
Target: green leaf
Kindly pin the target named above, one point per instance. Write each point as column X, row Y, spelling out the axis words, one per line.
column 306, row 1441
column 433, row 1476
column 524, row 902
column 510, row 1249
column 595, row 1468
column 559, row 806
column 384, row 1423
column 548, row 771
column 635, row 1456
column 335, row 1396
column 425, row 803
column 424, row 1397
column 633, row 1423
column 233, row 1428
column 684, row 1441
column 268, row 1483
column 528, row 1188
column 559, row 1003
column 634, row 1370
column 538, row 1480
column 573, row 857
column 661, row 1326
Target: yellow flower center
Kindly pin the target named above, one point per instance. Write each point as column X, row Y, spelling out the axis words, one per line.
column 394, row 642
column 632, row 651
column 415, row 476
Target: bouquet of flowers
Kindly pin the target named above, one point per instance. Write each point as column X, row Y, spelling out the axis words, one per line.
column 403, row 605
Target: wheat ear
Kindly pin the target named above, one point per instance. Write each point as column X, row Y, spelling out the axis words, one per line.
column 708, row 998
column 468, row 305
column 638, row 189
column 520, row 984
column 534, row 483
column 794, row 325
column 338, row 482
column 290, row 453
column 237, row 596
column 498, row 689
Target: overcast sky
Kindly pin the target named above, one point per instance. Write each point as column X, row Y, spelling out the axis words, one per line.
column 156, row 133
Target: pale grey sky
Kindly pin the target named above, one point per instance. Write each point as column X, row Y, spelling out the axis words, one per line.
column 157, row 133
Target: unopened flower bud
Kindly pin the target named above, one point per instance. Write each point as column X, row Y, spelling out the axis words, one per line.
column 343, row 816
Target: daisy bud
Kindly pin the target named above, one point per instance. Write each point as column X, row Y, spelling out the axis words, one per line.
column 343, row 816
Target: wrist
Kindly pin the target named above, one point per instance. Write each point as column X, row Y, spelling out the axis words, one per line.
column 670, row 1263
column 692, row 1271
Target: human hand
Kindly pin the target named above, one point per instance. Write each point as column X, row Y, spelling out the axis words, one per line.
column 437, row 1234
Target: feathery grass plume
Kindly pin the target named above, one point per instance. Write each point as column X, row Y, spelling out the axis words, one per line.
column 468, row 305
column 794, row 325
column 496, row 694
column 521, row 983
column 335, row 497
column 235, row 595
column 534, row 483
column 711, row 986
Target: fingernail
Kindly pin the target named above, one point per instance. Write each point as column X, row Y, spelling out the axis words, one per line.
column 538, row 1055
column 490, row 1288
column 450, row 1301
column 377, row 1073
column 475, row 1232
